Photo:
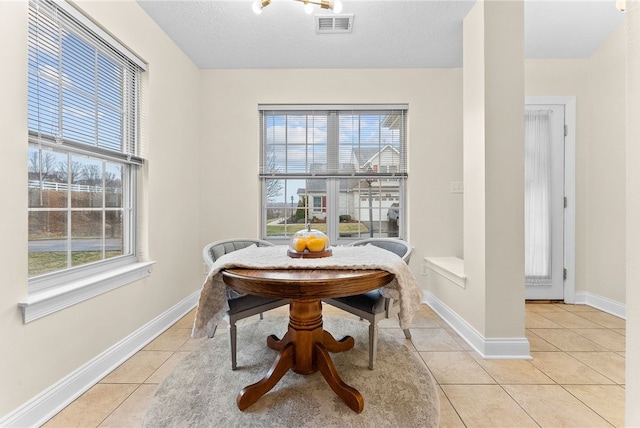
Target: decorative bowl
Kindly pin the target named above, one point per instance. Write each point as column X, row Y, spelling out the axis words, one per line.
column 309, row 243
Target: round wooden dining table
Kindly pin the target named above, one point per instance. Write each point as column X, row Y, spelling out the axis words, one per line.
column 306, row 345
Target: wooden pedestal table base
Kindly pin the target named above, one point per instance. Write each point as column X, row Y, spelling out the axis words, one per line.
column 304, row 349
column 306, row 345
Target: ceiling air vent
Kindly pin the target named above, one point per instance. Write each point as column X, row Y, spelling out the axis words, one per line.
column 334, row 24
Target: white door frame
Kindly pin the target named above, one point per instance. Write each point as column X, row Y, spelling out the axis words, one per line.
column 569, row 103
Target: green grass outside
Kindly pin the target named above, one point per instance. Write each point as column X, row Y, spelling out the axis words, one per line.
column 44, row 262
column 290, row 229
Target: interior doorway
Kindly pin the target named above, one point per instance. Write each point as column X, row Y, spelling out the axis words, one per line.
column 550, row 198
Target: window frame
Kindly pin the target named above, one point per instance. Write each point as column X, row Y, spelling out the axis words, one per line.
column 56, row 290
column 129, row 208
column 332, row 175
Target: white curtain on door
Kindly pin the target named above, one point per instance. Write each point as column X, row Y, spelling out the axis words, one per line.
column 537, row 206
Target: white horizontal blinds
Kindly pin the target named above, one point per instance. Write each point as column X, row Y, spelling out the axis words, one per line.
column 372, row 142
column 83, row 93
column 293, row 142
column 340, row 142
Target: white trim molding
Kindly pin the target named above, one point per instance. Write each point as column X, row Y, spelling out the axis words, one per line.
column 53, row 299
column 513, row 348
column 604, row 304
column 45, row 405
column 452, row 268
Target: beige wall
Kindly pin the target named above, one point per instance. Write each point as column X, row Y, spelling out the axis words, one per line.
column 493, row 172
column 598, row 83
column 504, row 109
column 464, row 301
column 230, row 149
column 38, row 354
column 605, row 184
column 632, row 387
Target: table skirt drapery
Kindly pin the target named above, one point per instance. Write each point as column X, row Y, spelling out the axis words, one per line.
column 213, row 305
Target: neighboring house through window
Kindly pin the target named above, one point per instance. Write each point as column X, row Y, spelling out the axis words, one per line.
column 83, row 108
column 341, row 168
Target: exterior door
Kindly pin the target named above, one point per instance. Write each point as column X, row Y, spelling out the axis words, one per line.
column 544, row 201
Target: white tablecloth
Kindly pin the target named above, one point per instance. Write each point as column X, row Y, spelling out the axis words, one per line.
column 213, row 305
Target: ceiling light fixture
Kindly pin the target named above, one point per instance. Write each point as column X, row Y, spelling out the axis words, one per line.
column 258, row 5
column 334, row 5
column 621, row 5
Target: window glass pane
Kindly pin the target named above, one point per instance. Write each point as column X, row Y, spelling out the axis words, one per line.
column 43, row 77
column 47, row 178
column 368, row 208
column 287, row 211
column 317, row 130
column 372, row 141
column 390, row 129
column 348, row 148
column 369, row 129
column 86, row 182
column 276, row 161
column 315, row 201
column 78, row 117
column 317, row 159
column 297, row 142
column 296, row 159
column 47, row 242
column 78, row 63
column 275, row 129
column 86, row 237
column 277, row 198
column 113, row 185
column 43, row 103
column 297, row 129
column 114, row 244
column 109, row 82
column 109, row 128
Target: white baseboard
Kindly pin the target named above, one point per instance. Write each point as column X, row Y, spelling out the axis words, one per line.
column 604, row 304
column 492, row 348
column 49, row 402
column 511, row 348
column 45, row 405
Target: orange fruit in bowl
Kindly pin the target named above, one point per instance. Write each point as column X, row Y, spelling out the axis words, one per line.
column 300, row 244
column 308, row 241
column 316, row 244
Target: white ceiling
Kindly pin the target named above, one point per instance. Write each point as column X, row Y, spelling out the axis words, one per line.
column 219, row 34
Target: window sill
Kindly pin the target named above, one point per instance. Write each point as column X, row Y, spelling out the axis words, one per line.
column 45, row 302
column 451, row 268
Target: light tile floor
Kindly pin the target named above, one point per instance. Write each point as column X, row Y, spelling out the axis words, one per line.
column 575, row 379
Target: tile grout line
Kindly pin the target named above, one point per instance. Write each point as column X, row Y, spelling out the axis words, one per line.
column 456, row 411
column 520, row 405
column 119, row 404
column 585, row 404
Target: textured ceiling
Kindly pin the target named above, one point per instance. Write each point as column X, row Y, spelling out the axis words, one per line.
column 386, row 33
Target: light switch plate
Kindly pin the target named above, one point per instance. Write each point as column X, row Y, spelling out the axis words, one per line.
column 456, row 187
column 424, row 269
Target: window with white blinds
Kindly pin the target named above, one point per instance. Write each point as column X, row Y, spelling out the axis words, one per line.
column 341, row 168
column 83, row 123
column 83, row 92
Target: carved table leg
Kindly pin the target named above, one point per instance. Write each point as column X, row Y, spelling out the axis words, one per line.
column 335, row 346
column 349, row 395
column 277, row 344
column 252, row 393
column 304, row 349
